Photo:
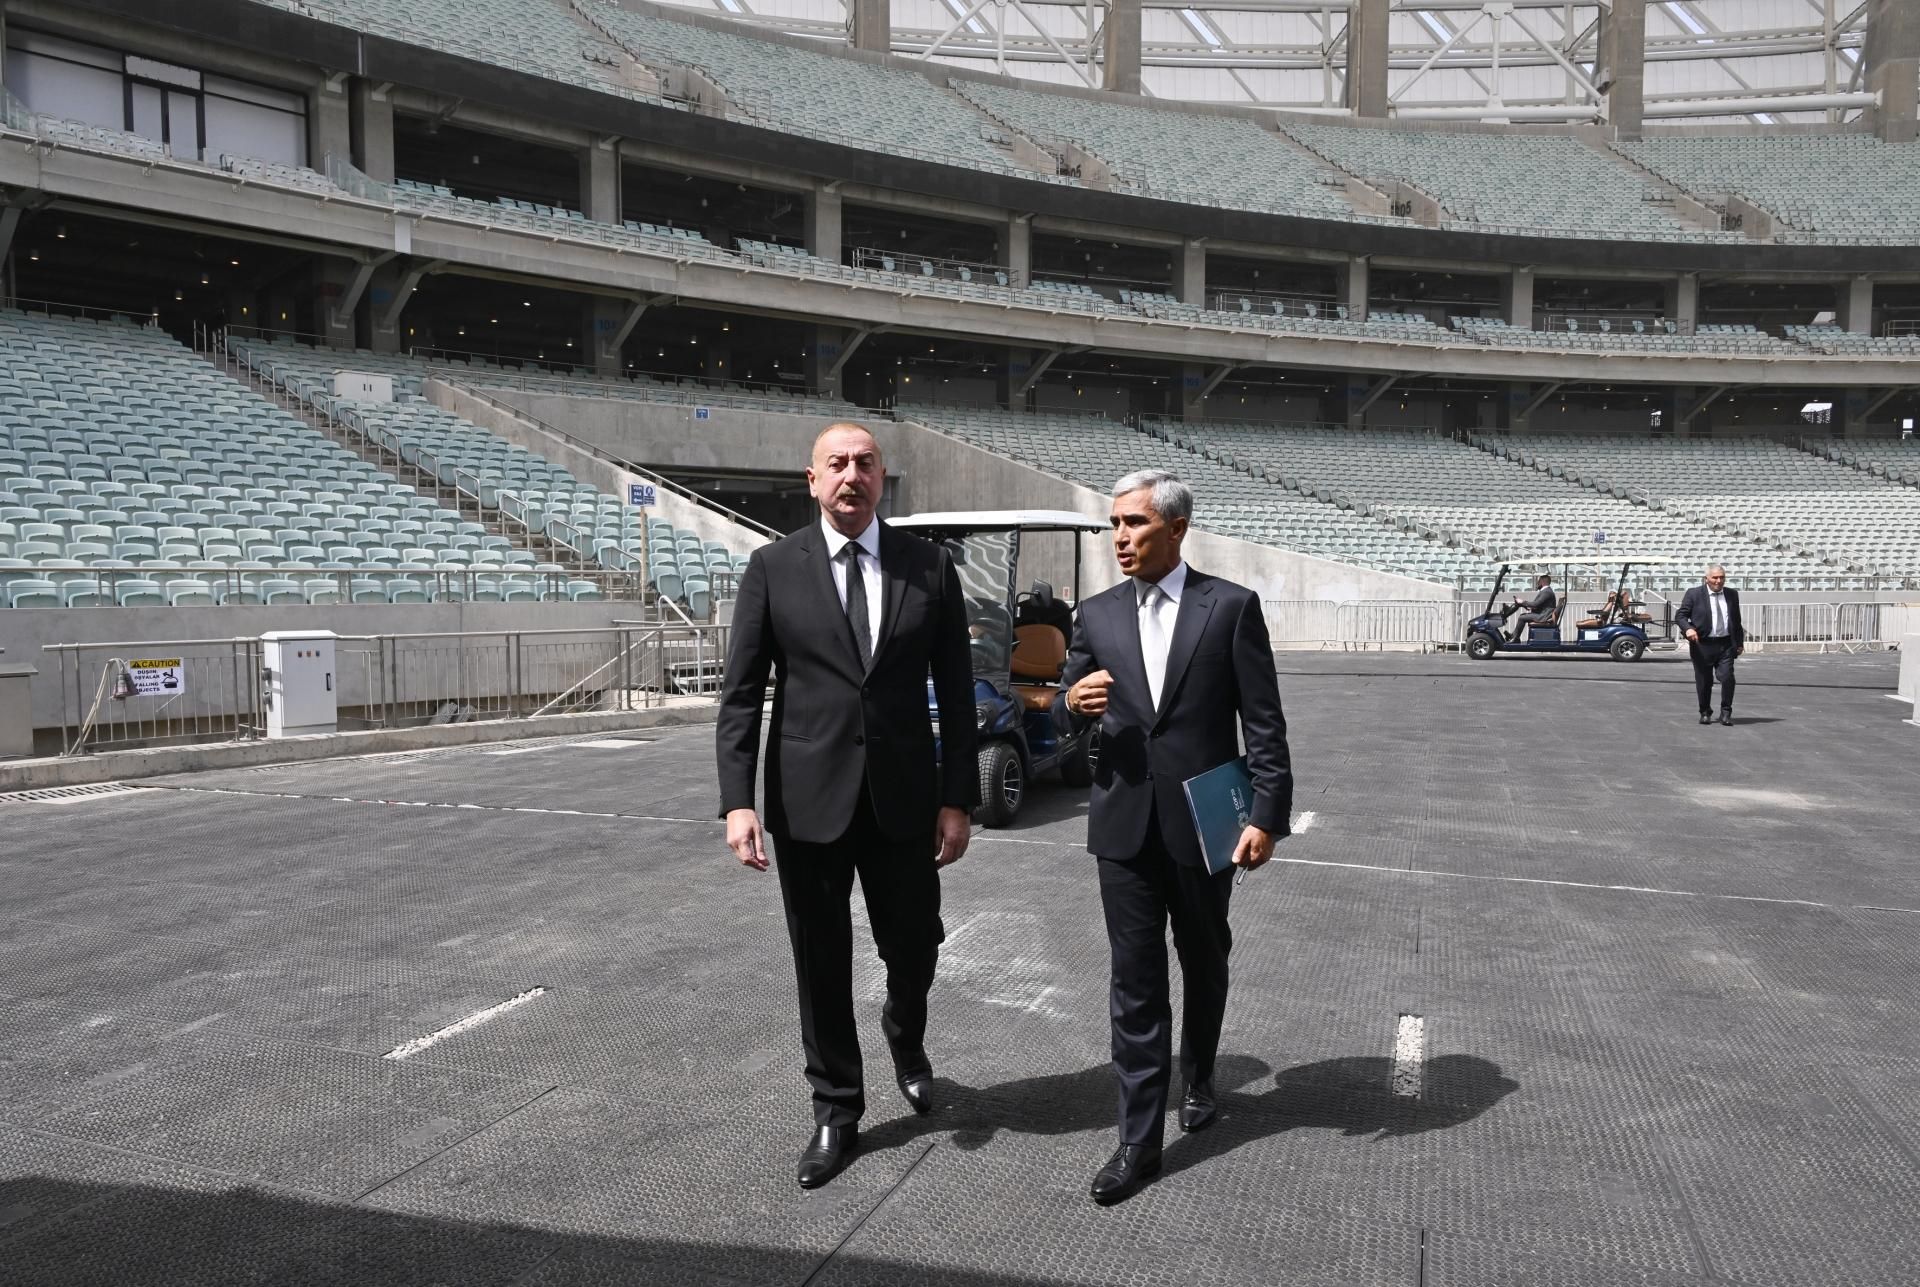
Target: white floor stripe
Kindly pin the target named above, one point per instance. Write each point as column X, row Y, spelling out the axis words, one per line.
column 609, row 743
column 1409, row 1056
column 1304, row 821
column 407, row 1049
column 518, row 750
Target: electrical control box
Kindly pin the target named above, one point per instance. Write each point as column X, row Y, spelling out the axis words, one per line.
column 362, row 386
column 300, row 688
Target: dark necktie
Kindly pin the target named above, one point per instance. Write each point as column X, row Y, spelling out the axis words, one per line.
column 857, row 602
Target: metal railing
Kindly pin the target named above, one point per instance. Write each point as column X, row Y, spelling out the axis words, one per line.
column 158, row 692
column 156, row 584
column 1828, row 627
column 122, row 695
column 1361, row 623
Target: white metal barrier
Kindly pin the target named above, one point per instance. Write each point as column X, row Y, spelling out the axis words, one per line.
column 1360, row 623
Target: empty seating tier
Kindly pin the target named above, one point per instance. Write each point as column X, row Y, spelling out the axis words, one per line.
column 134, row 472
column 1840, row 516
column 1847, row 189
column 524, row 488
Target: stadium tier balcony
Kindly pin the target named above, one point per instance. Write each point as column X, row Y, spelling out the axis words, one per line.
column 536, row 36
column 1836, row 189
column 1173, row 154
column 1708, row 340
column 1792, row 500
column 132, row 472
column 544, row 498
column 1844, row 343
column 1897, row 462
column 1257, row 313
column 816, row 94
column 1539, row 183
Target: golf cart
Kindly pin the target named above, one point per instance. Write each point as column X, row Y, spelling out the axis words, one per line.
column 1618, row 628
column 1019, row 644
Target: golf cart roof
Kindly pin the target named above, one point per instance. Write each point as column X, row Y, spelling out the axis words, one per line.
column 985, row 520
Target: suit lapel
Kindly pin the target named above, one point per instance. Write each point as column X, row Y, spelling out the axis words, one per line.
column 893, row 587
column 820, row 569
column 1196, row 606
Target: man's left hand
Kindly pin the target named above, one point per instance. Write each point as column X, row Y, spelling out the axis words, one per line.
column 950, row 835
column 1255, row 847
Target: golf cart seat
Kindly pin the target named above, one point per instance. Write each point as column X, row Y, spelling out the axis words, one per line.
column 1559, row 606
column 1039, row 655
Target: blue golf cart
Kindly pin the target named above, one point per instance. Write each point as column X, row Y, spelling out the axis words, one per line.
column 1018, row 639
column 1619, row 628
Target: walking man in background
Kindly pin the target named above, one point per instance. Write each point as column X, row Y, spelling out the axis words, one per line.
column 1177, row 667
column 1709, row 617
column 850, row 616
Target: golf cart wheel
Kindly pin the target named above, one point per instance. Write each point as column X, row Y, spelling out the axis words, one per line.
column 1481, row 646
column 1003, row 784
column 1077, row 769
column 1626, row 648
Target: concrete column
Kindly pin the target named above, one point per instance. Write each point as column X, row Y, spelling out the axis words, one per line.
column 1516, row 298
column 1890, row 63
column 380, row 295
column 1683, row 301
column 600, row 181
column 1856, row 304
column 823, row 224
column 1850, row 412
column 603, row 318
column 1120, row 53
column 329, row 123
column 1367, row 58
column 1353, row 288
column 1193, row 377
column 870, row 25
column 1014, row 251
column 823, row 350
column 1354, row 409
column 1012, row 371
column 1190, row 272
column 1621, row 70
column 333, row 279
column 371, row 129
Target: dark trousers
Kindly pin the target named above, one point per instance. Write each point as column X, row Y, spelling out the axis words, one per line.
column 1141, row 895
column 1713, row 659
column 902, row 889
column 1525, row 619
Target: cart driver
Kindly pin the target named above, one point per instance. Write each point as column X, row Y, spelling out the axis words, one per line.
column 1538, row 608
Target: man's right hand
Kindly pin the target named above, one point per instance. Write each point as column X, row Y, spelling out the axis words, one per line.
column 1088, row 697
column 747, row 838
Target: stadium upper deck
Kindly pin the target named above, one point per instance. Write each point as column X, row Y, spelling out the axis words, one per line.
column 1542, row 182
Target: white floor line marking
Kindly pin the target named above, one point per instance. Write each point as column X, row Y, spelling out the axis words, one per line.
column 443, row 804
column 609, row 743
column 407, row 1049
column 1304, row 821
column 1409, row 1056
column 1581, row 884
column 518, row 750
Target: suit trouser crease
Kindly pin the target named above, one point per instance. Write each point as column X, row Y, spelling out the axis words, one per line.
column 1140, row 897
column 1713, row 660
column 901, row 886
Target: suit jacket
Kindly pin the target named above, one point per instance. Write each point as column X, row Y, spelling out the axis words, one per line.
column 834, row 723
column 1543, row 600
column 1219, row 666
column 1696, row 613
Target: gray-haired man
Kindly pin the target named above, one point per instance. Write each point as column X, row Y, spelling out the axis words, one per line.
column 1176, row 666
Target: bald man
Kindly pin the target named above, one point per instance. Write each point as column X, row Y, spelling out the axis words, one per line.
column 850, row 617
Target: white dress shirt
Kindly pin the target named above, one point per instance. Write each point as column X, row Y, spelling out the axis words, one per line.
column 1717, row 600
column 868, row 543
column 1158, row 612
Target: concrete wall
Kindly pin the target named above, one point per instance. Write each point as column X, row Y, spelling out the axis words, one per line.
column 25, row 631
column 665, row 435
column 572, row 416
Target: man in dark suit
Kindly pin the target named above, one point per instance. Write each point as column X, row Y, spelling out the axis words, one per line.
column 1177, row 667
column 1709, row 617
column 851, row 616
column 1538, row 608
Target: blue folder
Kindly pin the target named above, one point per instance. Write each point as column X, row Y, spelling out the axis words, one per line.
column 1221, row 802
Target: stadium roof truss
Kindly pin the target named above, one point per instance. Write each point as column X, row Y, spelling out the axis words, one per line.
column 1734, row 61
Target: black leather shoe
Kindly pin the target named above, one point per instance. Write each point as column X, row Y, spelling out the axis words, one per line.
column 1131, row 1166
column 1726, row 717
column 917, row 1090
column 827, row 1154
column 1706, row 717
column 1198, row 1109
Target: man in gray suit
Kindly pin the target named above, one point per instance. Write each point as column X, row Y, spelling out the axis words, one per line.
column 1538, row 608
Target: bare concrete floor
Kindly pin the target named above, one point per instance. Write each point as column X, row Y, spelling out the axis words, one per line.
column 1666, row 974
